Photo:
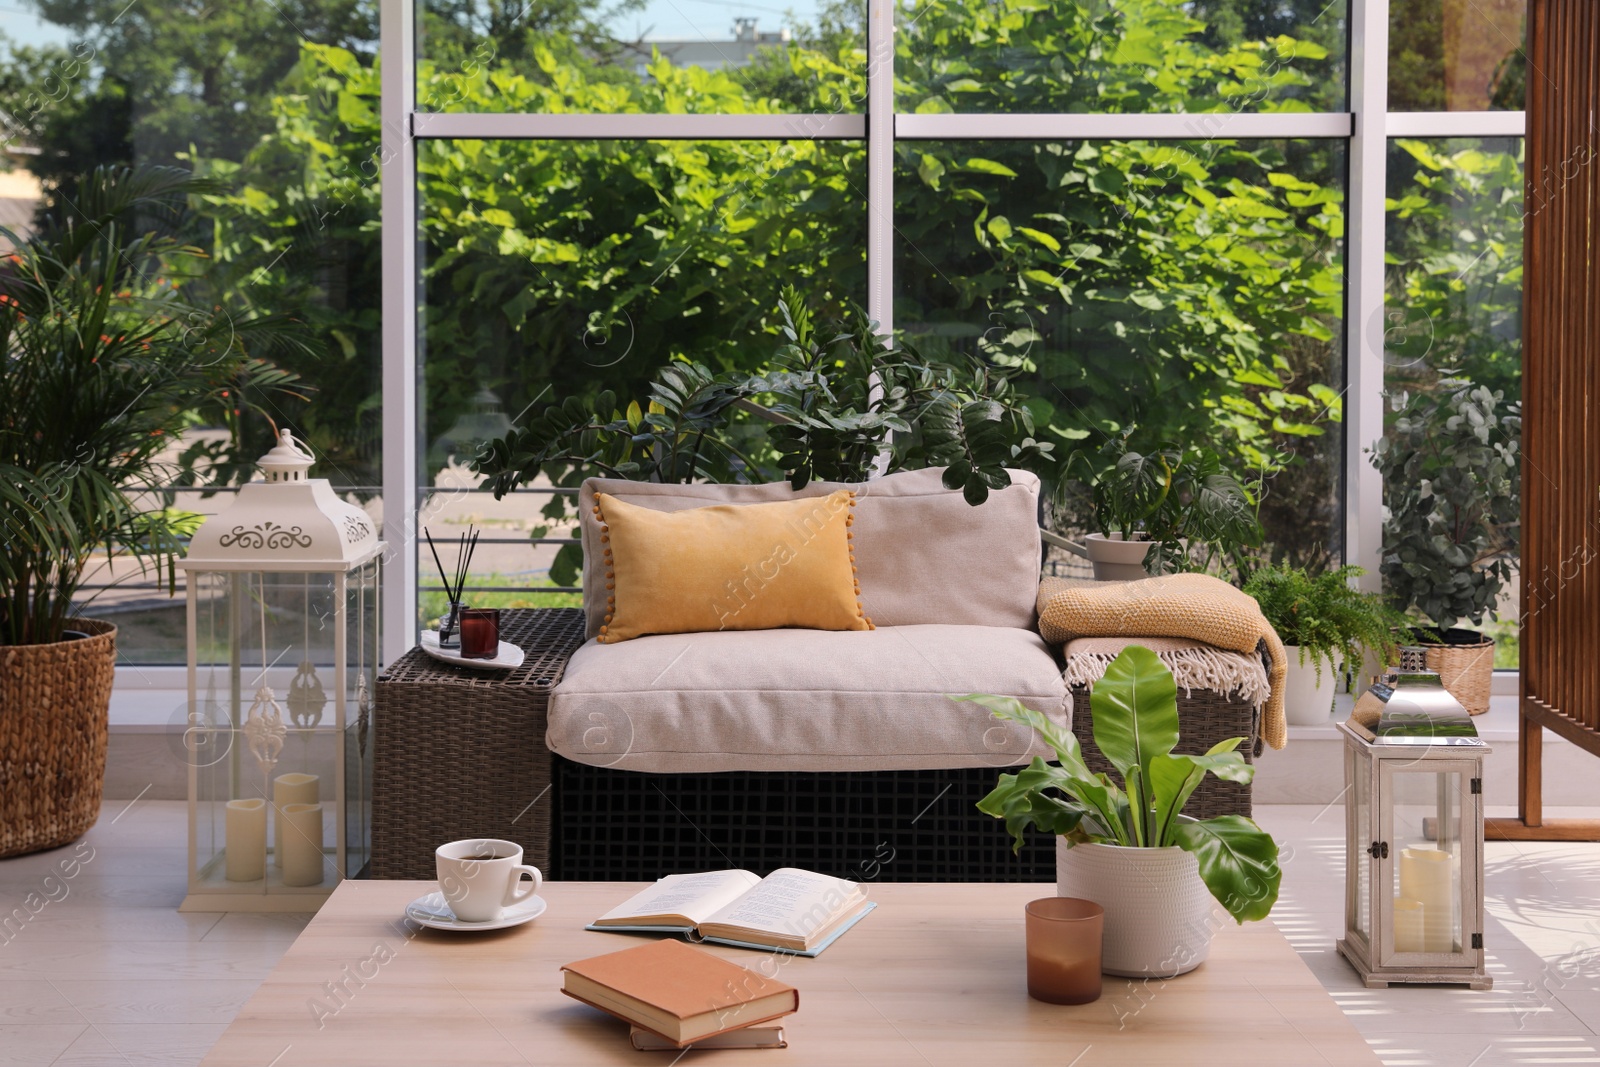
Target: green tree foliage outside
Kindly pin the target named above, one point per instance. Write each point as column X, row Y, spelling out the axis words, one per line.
column 1185, row 290
column 1191, row 289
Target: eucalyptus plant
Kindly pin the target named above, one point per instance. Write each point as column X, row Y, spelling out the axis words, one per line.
column 1452, row 487
column 1326, row 617
column 1135, row 709
column 104, row 365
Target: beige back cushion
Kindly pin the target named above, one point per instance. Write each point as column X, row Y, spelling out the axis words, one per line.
column 923, row 554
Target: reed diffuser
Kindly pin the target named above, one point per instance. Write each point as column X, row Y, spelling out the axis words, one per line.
column 466, row 544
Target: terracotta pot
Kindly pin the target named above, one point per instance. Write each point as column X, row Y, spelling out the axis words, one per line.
column 54, row 700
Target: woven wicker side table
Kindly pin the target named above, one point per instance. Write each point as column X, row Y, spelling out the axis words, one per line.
column 461, row 752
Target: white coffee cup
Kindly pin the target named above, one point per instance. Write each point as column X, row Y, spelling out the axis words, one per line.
column 482, row 876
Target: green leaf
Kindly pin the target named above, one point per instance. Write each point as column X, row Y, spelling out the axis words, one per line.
column 988, row 166
column 1040, row 237
column 1135, row 707
column 1238, row 863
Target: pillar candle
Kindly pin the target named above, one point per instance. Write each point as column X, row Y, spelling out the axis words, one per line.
column 288, row 789
column 245, row 840
column 1427, row 876
column 302, row 844
column 1407, row 925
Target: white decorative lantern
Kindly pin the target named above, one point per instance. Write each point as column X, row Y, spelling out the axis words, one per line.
column 1414, row 831
column 283, row 652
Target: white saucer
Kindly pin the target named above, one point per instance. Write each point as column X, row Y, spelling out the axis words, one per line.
column 507, row 656
column 432, row 911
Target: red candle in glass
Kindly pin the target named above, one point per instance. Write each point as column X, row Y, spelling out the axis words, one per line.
column 480, row 633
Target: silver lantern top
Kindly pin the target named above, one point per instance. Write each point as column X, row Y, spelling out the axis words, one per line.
column 1413, row 708
column 285, row 522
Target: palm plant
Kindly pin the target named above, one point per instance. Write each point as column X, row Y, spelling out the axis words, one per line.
column 105, row 364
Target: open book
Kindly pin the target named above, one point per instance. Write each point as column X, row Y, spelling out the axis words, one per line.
column 792, row 910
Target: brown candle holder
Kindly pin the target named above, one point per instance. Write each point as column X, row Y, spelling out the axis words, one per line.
column 1063, row 939
column 480, row 633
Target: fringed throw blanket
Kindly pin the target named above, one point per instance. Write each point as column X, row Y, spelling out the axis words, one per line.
column 1194, row 606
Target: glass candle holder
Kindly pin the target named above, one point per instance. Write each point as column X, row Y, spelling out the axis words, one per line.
column 1063, row 937
column 480, row 633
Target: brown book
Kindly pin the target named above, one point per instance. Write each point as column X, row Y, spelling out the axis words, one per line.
column 679, row 992
column 744, row 1037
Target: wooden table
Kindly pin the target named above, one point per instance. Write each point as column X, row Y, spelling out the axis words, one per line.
column 934, row 976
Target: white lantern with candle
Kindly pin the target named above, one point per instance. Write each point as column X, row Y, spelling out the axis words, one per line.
column 283, row 653
column 1414, row 828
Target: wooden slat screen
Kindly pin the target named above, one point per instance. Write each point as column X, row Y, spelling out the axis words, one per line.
column 1561, row 374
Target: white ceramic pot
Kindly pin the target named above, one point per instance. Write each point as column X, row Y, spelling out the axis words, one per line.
column 1114, row 559
column 1159, row 914
column 1307, row 699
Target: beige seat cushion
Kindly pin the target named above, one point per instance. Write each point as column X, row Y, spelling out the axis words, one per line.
column 805, row 700
column 922, row 553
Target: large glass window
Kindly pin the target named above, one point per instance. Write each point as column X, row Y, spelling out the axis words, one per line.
column 1177, row 292
column 558, row 269
column 1187, row 289
column 650, row 56
column 1454, row 322
column 276, row 105
column 1094, row 56
column 1457, row 55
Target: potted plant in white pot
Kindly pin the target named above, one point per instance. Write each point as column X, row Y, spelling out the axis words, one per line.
column 1129, row 848
column 1452, row 489
column 1324, row 622
column 104, row 365
column 1165, row 508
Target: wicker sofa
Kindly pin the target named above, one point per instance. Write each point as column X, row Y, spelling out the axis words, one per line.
column 835, row 751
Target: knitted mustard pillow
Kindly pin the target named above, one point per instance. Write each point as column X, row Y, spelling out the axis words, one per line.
column 729, row 567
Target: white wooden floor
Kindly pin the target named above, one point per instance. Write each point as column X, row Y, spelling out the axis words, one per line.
column 99, row 968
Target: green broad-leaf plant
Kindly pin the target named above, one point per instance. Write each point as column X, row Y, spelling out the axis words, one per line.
column 837, row 402
column 1136, row 726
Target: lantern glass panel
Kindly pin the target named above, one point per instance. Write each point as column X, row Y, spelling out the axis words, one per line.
column 361, row 600
column 1427, row 857
column 257, row 632
column 1358, row 889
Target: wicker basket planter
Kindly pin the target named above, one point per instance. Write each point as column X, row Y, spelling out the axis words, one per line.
column 53, row 704
column 1464, row 662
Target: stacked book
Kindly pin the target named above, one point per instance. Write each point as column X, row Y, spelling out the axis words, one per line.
column 676, row 996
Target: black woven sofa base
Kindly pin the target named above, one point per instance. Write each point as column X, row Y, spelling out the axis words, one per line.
column 892, row 826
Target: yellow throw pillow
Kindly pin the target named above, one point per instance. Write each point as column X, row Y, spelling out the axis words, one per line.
column 729, row 567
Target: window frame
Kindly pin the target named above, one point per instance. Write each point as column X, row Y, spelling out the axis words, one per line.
column 1365, row 128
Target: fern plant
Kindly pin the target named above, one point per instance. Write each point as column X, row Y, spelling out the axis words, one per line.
column 1329, row 620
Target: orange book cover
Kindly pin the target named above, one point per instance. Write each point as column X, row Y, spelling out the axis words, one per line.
column 677, row 991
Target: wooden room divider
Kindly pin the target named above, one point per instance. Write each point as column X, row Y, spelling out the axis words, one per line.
column 1560, row 683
